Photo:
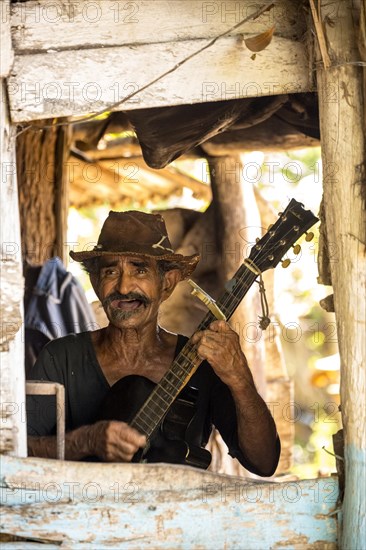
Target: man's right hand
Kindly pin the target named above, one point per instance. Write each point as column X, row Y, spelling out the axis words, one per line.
column 114, row 441
column 109, row 440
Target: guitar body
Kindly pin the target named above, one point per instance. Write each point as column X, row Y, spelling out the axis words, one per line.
column 167, row 444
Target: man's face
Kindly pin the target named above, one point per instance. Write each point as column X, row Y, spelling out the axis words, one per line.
column 131, row 289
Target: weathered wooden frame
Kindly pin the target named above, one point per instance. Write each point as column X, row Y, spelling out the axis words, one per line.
column 113, row 63
column 137, row 506
column 185, row 85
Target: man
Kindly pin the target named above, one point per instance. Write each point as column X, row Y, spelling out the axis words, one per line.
column 133, row 269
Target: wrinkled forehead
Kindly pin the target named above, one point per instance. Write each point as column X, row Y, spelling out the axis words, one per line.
column 107, row 260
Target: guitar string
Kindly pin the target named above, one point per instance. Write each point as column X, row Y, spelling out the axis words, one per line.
column 242, row 283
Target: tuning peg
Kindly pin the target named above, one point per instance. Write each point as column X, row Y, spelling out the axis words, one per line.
column 297, row 248
column 286, row 263
column 309, row 236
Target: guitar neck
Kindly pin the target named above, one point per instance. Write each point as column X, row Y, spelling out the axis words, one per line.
column 187, row 361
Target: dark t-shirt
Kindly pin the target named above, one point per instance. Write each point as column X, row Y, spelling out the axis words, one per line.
column 72, row 361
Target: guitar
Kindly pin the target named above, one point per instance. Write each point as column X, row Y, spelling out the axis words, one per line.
column 163, row 411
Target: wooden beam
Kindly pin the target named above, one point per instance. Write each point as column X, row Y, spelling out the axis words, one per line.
column 271, row 135
column 50, row 85
column 38, row 26
column 160, row 506
column 341, row 102
column 12, row 388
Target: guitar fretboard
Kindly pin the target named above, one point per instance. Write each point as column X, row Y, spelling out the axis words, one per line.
column 187, row 361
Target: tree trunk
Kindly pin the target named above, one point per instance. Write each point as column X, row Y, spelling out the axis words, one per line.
column 343, row 151
column 42, row 154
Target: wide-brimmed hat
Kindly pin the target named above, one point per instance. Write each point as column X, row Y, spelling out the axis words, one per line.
column 136, row 233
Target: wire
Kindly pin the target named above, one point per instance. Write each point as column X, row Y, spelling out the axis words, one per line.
column 111, row 106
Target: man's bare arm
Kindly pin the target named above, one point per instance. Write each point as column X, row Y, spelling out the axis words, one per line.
column 257, row 433
column 256, row 429
column 111, row 441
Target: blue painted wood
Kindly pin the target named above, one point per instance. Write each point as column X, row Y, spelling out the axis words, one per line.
column 163, row 506
column 354, row 505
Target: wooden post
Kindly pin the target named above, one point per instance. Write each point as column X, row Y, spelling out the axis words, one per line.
column 12, row 425
column 39, row 182
column 237, row 226
column 280, row 387
column 343, row 152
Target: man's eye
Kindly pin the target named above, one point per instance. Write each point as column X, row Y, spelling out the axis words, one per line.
column 141, row 270
column 110, row 271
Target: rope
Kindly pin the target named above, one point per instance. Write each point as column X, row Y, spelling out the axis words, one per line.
column 264, row 320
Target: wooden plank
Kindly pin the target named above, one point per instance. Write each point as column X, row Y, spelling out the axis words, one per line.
column 42, row 25
column 162, row 506
column 12, row 425
column 6, row 51
column 49, row 85
column 341, row 101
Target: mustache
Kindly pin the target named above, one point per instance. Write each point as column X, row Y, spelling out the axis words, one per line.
column 130, row 296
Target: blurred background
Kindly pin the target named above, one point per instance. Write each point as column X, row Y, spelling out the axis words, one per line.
column 307, row 332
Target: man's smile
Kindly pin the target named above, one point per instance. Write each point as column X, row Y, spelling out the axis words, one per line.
column 126, row 305
column 122, row 306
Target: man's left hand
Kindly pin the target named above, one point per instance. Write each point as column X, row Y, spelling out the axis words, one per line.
column 220, row 346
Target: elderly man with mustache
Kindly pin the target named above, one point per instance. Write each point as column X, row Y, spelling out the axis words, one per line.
column 133, row 269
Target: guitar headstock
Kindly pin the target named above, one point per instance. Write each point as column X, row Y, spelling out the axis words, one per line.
column 291, row 224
